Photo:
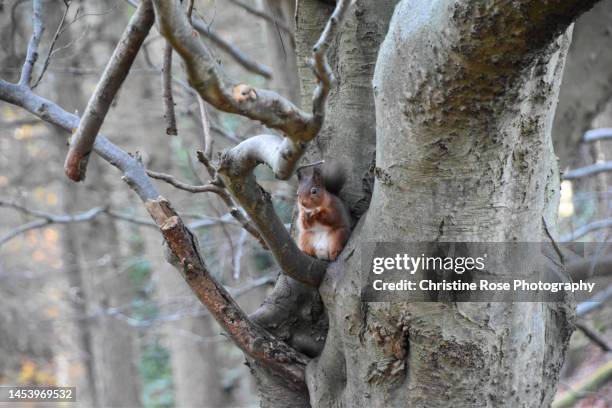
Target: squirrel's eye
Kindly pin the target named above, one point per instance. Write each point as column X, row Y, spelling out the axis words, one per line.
column 314, row 190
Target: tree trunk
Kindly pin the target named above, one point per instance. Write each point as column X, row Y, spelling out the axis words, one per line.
column 586, row 86
column 462, row 138
column 70, row 258
column 193, row 348
column 114, row 347
column 109, row 344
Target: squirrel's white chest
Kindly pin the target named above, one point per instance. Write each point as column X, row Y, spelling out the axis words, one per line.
column 320, row 240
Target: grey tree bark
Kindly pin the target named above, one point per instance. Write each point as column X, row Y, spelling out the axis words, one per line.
column 464, row 96
column 462, row 138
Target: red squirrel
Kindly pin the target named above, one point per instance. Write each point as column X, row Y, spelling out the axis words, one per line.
column 324, row 222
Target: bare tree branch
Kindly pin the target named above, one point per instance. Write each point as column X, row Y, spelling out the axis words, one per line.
column 272, row 353
column 207, row 188
column 85, row 216
column 207, row 78
column 51, row 217
column 32, row 53
column 258, row 205
column 590, row 267
column 594, row 335
column 266, row 16
column 246, row 62
column 597, row 301
column 22, row 229
column 281, row 155
column 115, row 73
column 601, row 376
column 222, row 193
column 133, row 171
column 591, row 170
column 241, row 58
column 167, row 98
column 254, row 341
column 52, row 46
column 597, row 134
column 585, row 229
column 48, row 219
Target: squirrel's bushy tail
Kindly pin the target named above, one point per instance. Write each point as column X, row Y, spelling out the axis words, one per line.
column 334, row 176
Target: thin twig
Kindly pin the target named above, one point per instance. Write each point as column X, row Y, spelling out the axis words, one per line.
column 53, row 42
column 590, row 267
column 586, row 229
column 254, row 284
column 219, row 191
column 208, row 141
column 552, row 240
column 212, row 171
column 318, row 163
column 167, row 98
column 48, row 219
column 241, row 58
column 206, row 188
column 266, row 16
column 190, row 9
column 594, row 335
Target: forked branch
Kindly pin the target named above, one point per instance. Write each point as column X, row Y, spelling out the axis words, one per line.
column 221, row 193
column 281, row 155
column 272, row 353
column 207, row 78
column 237, row 55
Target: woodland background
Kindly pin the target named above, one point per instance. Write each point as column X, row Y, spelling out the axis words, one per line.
column 94, row 303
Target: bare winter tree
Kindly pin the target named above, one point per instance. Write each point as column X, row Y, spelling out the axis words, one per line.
column 442, row 113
